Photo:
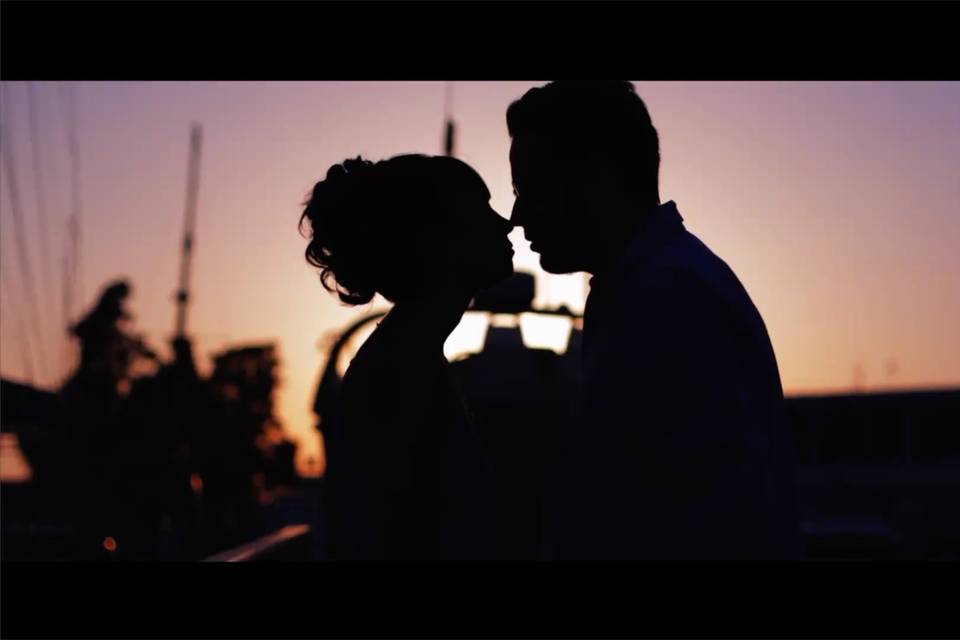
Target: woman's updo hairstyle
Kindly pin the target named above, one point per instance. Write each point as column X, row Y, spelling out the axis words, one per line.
column 332, row 210
column 371, row 221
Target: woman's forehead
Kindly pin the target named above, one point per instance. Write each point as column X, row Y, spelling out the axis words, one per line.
column 471, row 180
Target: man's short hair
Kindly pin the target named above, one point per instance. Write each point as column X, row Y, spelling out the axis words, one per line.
column 606, row 120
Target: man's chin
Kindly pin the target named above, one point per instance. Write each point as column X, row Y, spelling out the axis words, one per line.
column 555, row 266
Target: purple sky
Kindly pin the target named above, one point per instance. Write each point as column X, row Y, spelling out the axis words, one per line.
column 835, row 203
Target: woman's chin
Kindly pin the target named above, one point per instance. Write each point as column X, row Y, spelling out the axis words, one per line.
column 506, row 270
column 492, row 278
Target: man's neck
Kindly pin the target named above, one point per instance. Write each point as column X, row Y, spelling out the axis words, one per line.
column 619, row 236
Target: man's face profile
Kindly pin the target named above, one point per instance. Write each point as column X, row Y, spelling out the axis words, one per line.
column 545, row 205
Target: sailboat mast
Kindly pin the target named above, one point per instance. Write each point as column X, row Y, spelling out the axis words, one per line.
column 450, row 128
column 189, row 225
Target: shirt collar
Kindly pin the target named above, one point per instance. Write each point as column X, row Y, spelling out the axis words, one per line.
column 655, row 229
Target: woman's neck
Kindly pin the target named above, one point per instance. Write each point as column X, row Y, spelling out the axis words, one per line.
column 426, row 322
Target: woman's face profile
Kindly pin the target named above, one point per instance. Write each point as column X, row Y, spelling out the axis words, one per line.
column 479, row 248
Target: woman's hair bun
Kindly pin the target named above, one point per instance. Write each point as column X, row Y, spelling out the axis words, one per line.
column 335, row 248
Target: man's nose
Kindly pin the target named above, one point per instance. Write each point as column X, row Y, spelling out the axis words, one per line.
column 516, row 217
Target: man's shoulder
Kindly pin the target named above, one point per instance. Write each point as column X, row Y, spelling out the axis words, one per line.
column 681, row 266
column 684, row 275
column 686, row 254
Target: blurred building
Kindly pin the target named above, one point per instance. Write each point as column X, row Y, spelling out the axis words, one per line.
column 880, row 474
column 179, row 467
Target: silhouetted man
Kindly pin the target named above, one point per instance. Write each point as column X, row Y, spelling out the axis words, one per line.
column 684, row 450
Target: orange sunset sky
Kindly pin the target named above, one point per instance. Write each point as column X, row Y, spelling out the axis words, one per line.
column 837, row 204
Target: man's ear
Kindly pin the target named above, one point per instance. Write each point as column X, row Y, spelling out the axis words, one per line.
column 598, row 187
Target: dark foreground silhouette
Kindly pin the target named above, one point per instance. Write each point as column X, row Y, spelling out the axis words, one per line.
column 149, row 465
column 684, row 450
column 407, row 476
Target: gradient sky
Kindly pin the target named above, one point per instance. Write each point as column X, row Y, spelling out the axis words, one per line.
column 837, row 205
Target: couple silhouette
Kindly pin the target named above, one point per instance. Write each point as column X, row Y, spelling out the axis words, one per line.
column 682, row 451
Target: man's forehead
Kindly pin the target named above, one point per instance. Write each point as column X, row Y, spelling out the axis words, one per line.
column 518, row 148
column 529, row 143
column 524, row 150
column 516, row 158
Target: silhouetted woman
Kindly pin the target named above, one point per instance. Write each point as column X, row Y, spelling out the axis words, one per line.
column 406, row 475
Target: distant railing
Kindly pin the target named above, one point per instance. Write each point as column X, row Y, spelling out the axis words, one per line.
column 293, row 542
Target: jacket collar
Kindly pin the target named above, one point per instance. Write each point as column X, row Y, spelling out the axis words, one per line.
column 656, row 229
